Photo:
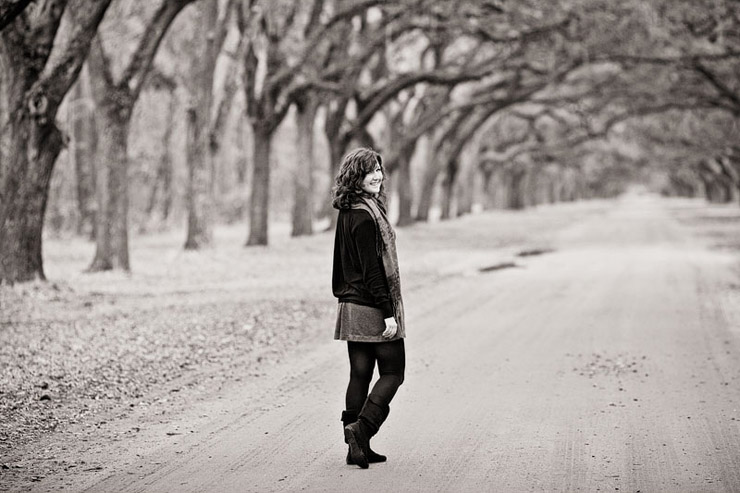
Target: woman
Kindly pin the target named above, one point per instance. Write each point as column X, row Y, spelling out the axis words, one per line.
column 366, row 281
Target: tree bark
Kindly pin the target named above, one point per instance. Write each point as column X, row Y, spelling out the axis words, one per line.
column 34, row 149
column 303, row 174
column 32, row 90
column 111, row 241
column 10, row 10
column 201, row 170
column 259, row 202
column 199, row 183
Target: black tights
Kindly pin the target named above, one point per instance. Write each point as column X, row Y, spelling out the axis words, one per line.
column 391, row 358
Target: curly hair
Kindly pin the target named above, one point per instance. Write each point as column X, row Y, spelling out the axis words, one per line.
column 348, row 182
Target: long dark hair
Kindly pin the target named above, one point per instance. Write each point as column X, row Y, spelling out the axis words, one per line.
column 347, row 184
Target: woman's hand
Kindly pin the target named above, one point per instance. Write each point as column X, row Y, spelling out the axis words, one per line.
column 391, row 327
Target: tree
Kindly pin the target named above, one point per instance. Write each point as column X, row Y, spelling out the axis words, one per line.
column 33, row 86
column 202, row 141
column 274, row 77
column 115, row 99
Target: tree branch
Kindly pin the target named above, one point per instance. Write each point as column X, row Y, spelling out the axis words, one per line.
column 317, row 36
column 10, row 9
column 57, row 79
column 721, row 87
column 135, row 72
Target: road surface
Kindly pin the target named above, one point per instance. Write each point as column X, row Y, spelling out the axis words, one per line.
column 609, row 364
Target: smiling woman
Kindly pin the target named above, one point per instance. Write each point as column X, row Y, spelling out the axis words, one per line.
column 366, row 281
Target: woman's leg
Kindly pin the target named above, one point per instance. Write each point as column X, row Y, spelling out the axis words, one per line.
column 391, row 357
column 361, row 367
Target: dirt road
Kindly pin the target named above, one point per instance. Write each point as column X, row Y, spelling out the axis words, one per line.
column 610, row 364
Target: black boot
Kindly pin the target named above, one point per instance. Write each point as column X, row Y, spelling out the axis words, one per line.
column 349, row 417
column 358, row 434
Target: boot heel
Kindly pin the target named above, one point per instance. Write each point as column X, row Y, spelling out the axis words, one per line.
column 355, row 447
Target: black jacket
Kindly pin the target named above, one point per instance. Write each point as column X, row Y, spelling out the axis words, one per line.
column 358, row 275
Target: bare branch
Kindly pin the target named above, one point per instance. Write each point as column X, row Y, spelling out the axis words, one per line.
column 317, row 36
column 721, row 87
column 135, row 72
column 669, row 60
column 57, row 79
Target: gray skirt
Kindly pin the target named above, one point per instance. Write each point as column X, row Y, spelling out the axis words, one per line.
column 360, row 323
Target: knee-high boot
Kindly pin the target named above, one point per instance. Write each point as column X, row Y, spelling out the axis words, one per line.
column 358, row 434
column 349, row 417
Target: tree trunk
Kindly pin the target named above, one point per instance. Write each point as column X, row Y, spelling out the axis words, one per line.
column 448, row 188
column 487, row 176
column 337, row 149
column 465, row 192
column 303, row 175
column 111, row 241
column 405, row 190
column 84, row 142
column 30, row 141
column 242, row 163
column 34, row 146
column 427, row 189
column 201, row 171
column 199, row 187
column 516, row 189
column 259, row 202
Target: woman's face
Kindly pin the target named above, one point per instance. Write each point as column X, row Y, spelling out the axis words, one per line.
column 372, row 181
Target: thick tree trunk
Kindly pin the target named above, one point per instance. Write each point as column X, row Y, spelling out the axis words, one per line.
column 201, row 170
column 199, row 183
column 303, row 174
column 259, row 202
column 34, row 147
column 111, row 242
column 30, row 141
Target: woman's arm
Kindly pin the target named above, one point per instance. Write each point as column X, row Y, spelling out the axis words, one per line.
column 373, row 275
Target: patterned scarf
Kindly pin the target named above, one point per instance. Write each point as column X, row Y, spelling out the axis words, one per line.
column 386, row 247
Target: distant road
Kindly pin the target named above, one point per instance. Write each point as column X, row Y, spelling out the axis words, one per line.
column 610, row 364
